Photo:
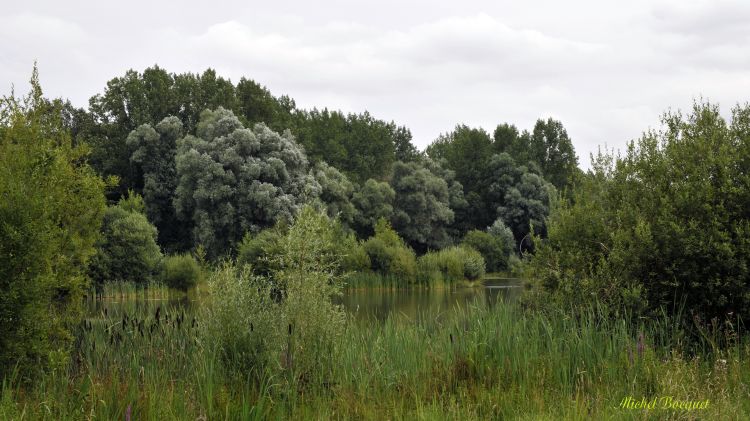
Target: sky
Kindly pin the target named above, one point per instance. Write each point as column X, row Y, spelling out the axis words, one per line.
column 607, row 69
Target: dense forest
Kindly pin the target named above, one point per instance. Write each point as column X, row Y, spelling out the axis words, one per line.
column 192, row 184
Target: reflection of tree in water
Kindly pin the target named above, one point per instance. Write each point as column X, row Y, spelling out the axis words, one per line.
column 364, row 304
column 416, row 303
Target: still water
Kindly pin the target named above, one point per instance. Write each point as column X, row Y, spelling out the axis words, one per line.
column 364, row 303
column 380, row 303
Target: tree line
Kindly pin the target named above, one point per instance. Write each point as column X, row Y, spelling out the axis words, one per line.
column 214, row 160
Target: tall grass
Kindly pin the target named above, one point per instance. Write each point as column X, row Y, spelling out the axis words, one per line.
column 131, row 290
column 478, row 362
column 450, row 265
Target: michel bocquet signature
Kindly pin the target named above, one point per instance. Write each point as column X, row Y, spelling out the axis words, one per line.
column 663, row 402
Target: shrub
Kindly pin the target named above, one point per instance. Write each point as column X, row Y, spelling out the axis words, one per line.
column 663, row 227
column 51, row 207
column 355, row 257
column 452, row 264
column 389, row 255
column 258, row 250
column 181, row 271
column 127, row 249
column 243, row 322
column 403, row 264
column 285, row 321
column 493, row 250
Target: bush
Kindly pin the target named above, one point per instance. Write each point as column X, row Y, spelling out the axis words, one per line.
column 181, row 271
column 51, row 207
column 389, row 255
column 450, row 265
column 286, row 321
column 243, row 323
column 127, row 250
column 258, row 250
column 661, row 228
column 355, row 257
column 495, row 252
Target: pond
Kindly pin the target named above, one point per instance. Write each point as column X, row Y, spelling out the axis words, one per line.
column 362, row 303
column 368, row 302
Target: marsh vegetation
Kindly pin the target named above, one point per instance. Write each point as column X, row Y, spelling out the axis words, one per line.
column 174, row 252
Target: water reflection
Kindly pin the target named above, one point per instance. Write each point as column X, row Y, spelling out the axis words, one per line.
column 380, row 303
column 362, row 303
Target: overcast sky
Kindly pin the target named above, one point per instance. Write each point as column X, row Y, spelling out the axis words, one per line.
column 606, row 69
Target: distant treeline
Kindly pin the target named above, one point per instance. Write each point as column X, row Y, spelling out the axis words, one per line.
column 189, row 144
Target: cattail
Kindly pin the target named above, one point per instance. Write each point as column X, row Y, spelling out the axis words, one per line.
column 641, row 344
column 630, row 353
column 251, row 327
column 451, row 336
column 158, row 311
column 105, row 312
column 290, row 329
column 194, row 323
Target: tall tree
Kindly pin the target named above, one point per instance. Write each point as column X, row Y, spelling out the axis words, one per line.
column 359, row 145
column 154, row 152
column 51, row 209
column 518, row 194
column 422, row 211
column 663, row 226
column 552, row 149
column 232, row 179
column 466, row 151
column 335, row 193
column 373, row 201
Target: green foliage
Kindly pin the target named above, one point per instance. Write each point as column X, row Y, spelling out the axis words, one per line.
column 422, row 205
column 503, row 176
column 663, row 227
column 136, row 98
column 552, row 149
column 373, row 201
column 51, row 207
column 153, row 156
column 389, row 255
column 133, row 202
column 243, row 323
column 465, row 151
column 181, row 271
column 258, row 250
column 233, row 180
column 519, row 194
column 285, row 322
column 355, row 257
column 127, row 249
column 450, row 265
column 335, row 192
column 495, row 249
column 359, row 145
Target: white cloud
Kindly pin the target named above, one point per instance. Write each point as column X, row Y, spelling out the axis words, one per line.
column 607, row 70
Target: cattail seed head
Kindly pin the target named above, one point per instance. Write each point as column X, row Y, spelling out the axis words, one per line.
column 641, row 344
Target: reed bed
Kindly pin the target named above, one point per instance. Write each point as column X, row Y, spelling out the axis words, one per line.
column 477, row 362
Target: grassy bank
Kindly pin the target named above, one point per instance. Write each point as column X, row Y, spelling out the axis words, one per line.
column 478, row 363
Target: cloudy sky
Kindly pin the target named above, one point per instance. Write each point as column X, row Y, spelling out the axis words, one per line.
column 606, row 69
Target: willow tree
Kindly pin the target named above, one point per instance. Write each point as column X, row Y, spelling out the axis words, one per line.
column 233, row 180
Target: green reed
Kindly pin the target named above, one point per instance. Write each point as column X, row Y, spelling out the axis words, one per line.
column 478, row 362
